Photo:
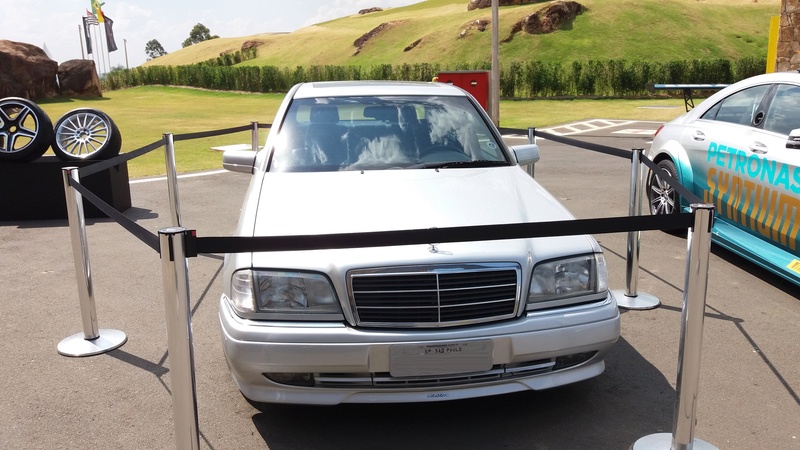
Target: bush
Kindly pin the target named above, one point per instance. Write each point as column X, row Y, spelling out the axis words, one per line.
column 531, row 79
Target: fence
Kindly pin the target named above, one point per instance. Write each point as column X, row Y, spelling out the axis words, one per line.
column 175, row 244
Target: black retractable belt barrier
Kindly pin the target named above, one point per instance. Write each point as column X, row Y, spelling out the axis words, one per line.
column 613, row 151
column 117, row 160
column 238, row 244
column 134, row 228
column 204, row 134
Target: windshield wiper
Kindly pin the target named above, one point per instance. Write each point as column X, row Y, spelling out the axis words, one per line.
column 459, row 164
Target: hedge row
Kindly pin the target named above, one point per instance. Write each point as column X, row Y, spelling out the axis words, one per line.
column 533, row 79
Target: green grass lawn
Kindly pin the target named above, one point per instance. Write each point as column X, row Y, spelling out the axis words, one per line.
column 645, row 30
column 144, row 114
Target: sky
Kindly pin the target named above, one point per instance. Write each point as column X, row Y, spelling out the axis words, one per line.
column 54, row 25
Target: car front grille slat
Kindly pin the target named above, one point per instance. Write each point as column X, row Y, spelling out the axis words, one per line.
column 434, row 296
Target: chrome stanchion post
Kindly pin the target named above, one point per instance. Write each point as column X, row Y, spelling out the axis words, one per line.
column 254, row 137
column 630, row 298
column 691, row 344
column 179, row 337
column 172, row 179
column 91, row 341
column 531, row 140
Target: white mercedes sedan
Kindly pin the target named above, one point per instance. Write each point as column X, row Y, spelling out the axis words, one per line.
column 404, row 323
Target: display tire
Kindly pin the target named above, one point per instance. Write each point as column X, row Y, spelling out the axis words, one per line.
column 663, row 198
column 25, row 130
column 86, row 134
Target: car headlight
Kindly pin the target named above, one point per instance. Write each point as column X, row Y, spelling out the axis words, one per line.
column 568, row 277
column 284, row 293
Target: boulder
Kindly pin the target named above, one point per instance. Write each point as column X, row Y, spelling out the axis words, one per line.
column 78, row 78
column 250, row 43
column 26, row 71
column 547, row 19
column 370, row 10
column 360, row 42
column 479, row 24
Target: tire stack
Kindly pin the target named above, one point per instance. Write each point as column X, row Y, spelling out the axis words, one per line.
column 26, row 132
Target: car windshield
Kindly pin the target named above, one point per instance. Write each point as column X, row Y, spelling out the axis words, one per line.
column 391, row 132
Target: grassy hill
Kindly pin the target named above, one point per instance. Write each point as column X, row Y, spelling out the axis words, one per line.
column 651, row 30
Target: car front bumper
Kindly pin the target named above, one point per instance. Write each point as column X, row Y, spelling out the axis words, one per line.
column 355, row 365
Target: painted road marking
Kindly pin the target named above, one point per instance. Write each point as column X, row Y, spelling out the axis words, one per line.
column 586, row 126
column 635, row 131
column 188, row 175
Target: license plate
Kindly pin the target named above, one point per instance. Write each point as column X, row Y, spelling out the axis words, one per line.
column 445, row 359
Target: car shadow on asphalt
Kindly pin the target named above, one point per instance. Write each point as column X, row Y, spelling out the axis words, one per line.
column 757, row 271
column 630, row 400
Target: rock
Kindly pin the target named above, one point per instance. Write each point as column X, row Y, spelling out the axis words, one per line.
column 247, row 45
column 26, row 71
column 78, row 78
column 479, row 24
column 547, row 19
column 412, row 45
column 551, row 17
column 370, row 10
column 360, row 42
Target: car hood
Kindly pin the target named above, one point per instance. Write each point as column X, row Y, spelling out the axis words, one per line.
column 345, row 202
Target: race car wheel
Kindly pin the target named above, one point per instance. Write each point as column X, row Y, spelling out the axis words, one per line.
column 86, row 133
column 663, row 198
column 25, row 130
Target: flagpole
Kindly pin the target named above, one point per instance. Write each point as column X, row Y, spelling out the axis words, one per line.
column 103, row 51
column 102, row 58
column 80, row 39
column 94, row 52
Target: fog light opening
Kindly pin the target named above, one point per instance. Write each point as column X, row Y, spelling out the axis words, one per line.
column 292, row 379
column 562, row 362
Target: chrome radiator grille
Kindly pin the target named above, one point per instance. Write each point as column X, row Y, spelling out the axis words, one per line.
column 434, row 296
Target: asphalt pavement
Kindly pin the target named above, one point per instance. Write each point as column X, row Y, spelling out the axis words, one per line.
column 749, row 394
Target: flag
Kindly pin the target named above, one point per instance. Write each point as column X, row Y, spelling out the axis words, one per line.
column 110, row 44
column 96, row 5
column 87, row 35
column 90, row 18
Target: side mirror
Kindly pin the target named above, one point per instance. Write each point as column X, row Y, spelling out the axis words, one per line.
column 239, row 160
column 794, row 139
column 527, row 154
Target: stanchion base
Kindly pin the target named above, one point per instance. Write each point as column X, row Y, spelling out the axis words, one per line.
column 660, row 441
column 78, row 345
column 642, row 300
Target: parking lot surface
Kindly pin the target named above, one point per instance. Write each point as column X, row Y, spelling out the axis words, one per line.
column 749, row 394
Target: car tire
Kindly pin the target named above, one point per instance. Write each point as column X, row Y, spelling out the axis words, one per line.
column 25, row 130
column 663, row 198
column 86, row 134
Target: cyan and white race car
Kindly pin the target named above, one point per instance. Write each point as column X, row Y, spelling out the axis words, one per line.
column 739, row 149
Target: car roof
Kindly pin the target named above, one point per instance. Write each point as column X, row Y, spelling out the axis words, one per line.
column 774, row 77
column 371, row 88
column 792, row 76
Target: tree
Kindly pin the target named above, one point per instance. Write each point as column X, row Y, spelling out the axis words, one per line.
column 199, row 33
column 154, row 49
